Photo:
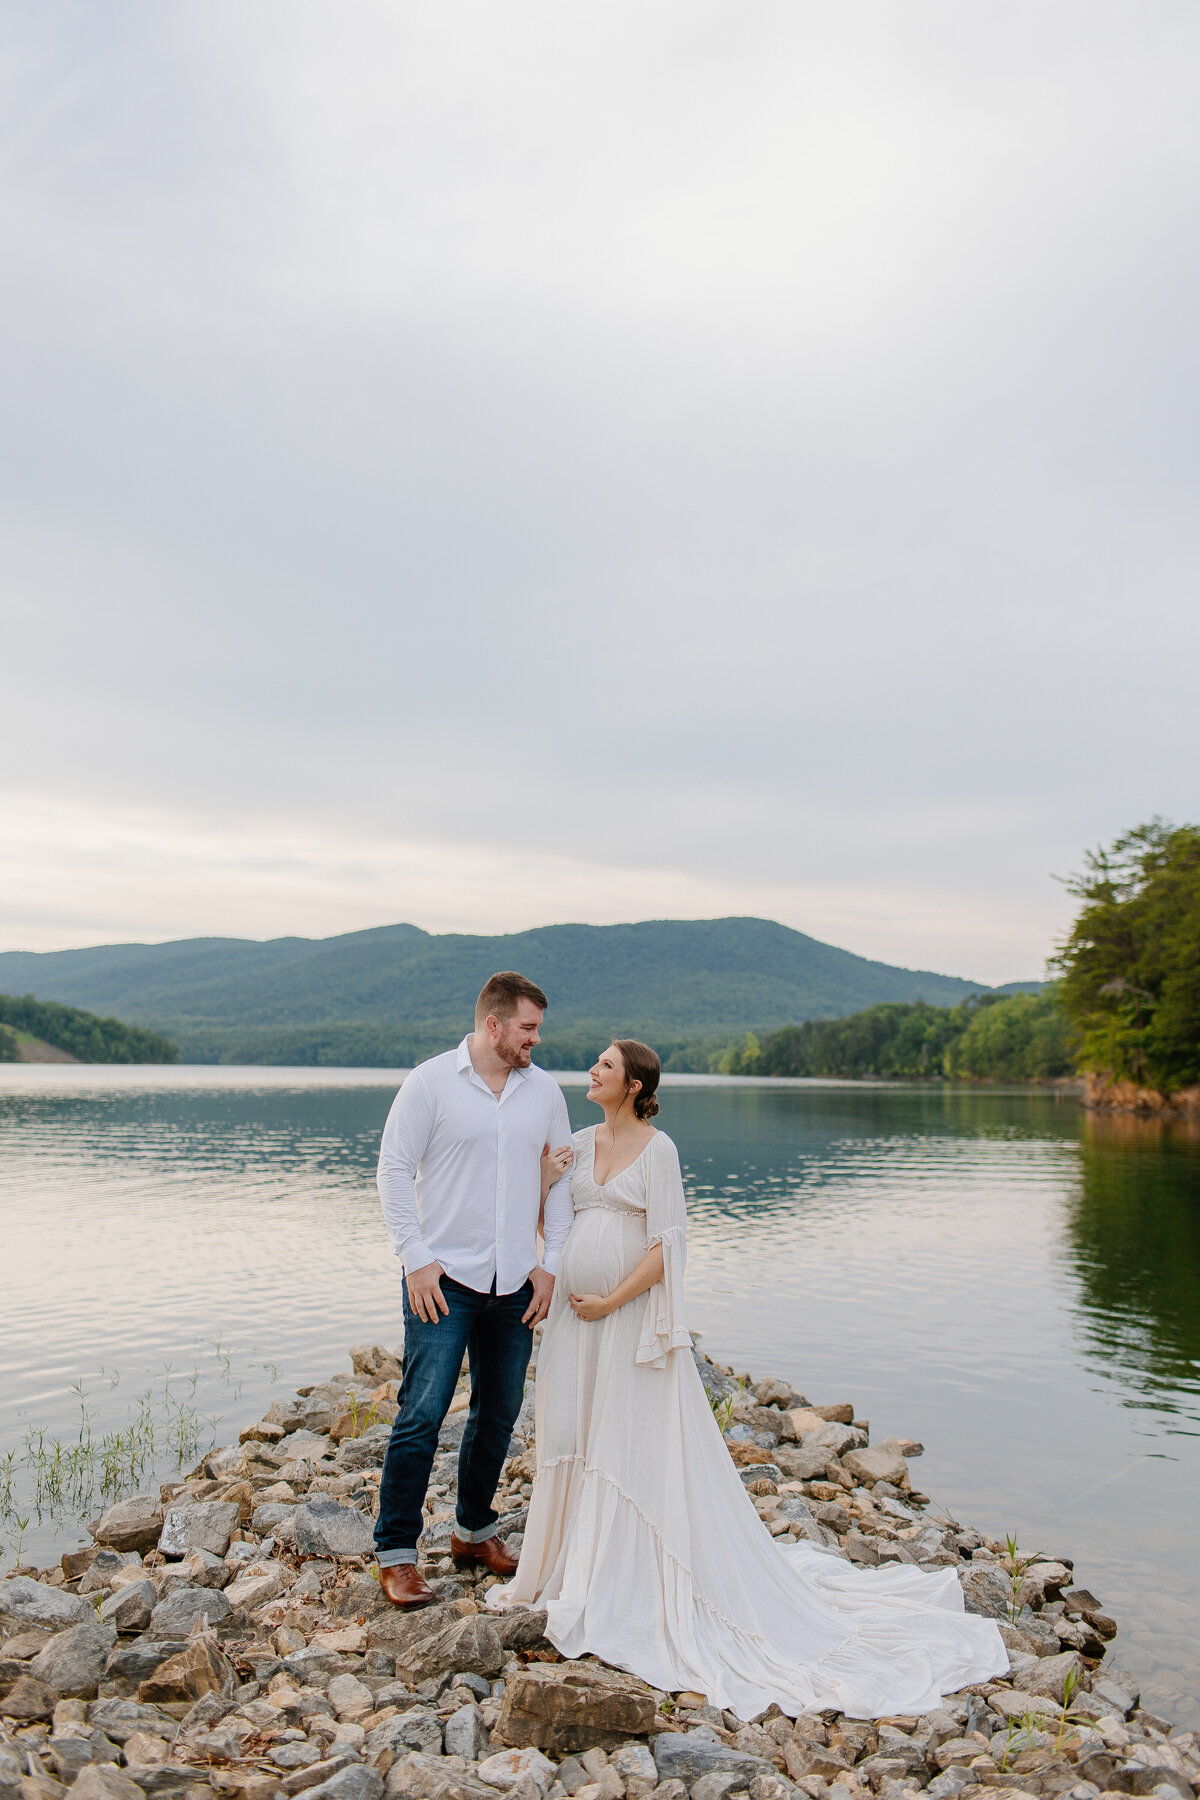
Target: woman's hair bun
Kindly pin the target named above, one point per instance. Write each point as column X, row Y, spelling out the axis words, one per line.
column 641, row 1064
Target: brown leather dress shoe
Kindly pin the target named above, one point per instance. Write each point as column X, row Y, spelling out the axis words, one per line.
column 404, row 1587
column 491, row 1553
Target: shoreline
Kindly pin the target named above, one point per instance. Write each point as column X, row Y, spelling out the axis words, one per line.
column 225, row 1635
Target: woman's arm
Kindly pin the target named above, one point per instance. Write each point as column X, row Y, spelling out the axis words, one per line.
column 555, row 1164
column 648, row 1272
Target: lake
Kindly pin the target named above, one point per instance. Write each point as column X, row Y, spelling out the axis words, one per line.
column 1001, row 1275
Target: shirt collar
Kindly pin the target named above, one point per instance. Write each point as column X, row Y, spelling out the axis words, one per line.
column 466, row 1067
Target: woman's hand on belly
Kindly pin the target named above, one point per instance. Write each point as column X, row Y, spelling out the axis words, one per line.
column 590, row 1307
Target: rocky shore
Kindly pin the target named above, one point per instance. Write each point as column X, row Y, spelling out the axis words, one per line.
column 225, row 1636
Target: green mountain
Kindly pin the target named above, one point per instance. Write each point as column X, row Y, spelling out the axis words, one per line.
column 396, row 993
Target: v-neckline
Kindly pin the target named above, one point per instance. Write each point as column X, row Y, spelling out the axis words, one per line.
column 633, row 1165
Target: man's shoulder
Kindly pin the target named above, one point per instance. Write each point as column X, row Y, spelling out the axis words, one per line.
column 434, row 1068
column 542, row 1081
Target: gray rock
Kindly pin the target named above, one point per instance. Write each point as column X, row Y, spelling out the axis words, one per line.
column 416, row 1729
column 761, row 1472
column 162, row 1781
column 103, row 1781
column 29, row 1603
column 521, row 1628
column 1123, row 1694
column 951, row 1781
column 304, row 1413
column 103, row 1566
column 132, row 1663
column 802, row 1465
column 74, row 1662
column 365, row 1452
column 119, row 1719
column 986, row 1591
column 132, row 1524
column 130, row 1607
column 198, row 1525
column 271, row 1515
column 716, row 1785
column 466, row 1734
column 11, row 1771
column 689, row 1755
column 464, row 1644
column 294, row 1756
column 834, row 1437
column 71, row 1754
column 356, row 1781
column 175, row 1616
column 323, row 1528
column 773, row 1787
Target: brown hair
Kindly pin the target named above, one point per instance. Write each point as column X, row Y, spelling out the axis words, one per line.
column 641, row 1064
column 503, row 992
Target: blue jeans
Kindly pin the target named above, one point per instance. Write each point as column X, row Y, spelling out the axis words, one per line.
column 488, row 1328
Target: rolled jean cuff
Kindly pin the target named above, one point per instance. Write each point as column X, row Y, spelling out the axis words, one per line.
column 475, row 1537
column 391, row 1559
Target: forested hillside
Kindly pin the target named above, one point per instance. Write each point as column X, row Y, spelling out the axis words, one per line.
column 81, row 1034
column 391, row 995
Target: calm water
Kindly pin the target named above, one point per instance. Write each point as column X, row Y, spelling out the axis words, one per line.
column 999, row 1275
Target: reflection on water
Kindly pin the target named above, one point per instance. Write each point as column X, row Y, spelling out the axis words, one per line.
column 1006, row 1279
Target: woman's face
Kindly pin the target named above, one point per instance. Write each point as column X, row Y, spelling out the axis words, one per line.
column 608, row 1078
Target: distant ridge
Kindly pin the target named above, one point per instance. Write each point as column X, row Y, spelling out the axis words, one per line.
column 396, row 993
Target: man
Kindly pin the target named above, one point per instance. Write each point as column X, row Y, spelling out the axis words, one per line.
column 460, row 1182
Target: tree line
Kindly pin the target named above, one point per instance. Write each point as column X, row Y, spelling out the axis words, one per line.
column 81, row 1034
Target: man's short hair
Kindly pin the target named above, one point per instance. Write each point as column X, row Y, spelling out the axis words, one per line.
column 502, row 993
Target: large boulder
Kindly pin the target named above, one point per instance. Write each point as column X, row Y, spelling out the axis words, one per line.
column 29, row 1604
column 199, row 1525
column 323, row 1528
column 567, row 1707
column 132, row 1524
column 1051, row 1674
column 74, row 1661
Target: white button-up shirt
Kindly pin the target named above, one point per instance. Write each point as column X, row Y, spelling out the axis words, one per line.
column 460, row 1172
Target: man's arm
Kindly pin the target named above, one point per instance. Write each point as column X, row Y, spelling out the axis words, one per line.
column 405, row 1139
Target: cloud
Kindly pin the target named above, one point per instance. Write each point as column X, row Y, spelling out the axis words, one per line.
column 744, row 458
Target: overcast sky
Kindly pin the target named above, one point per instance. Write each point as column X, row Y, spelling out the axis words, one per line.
column 492, row 465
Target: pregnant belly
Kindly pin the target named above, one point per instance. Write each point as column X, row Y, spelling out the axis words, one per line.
column 601, row 1250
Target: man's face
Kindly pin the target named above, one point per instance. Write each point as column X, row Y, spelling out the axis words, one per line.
column 513, row 1039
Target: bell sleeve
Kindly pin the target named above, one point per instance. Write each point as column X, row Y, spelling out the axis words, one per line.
column 664, row 1326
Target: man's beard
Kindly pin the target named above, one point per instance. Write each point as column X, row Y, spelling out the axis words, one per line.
column 516, row 1057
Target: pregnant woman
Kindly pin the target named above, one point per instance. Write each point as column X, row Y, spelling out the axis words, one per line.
column 642, row 1543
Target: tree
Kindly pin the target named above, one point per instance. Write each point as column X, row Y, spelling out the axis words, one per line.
column 1130, row 965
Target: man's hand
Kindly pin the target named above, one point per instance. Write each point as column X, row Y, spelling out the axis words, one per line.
column 425, row 1292
column 543, row 1292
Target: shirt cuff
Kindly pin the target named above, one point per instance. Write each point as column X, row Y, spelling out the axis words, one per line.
column 415, row 1254
column 550, row 1261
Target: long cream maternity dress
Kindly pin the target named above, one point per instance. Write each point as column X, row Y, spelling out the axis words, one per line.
column 642, row 1543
